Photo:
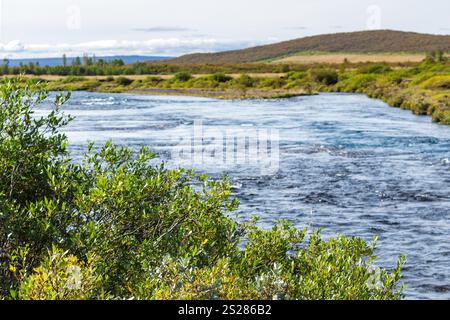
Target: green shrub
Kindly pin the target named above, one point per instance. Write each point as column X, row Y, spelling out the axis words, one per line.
column 441, row 115
column 182, row 76
column 293, row 76
column 437, row 82
column 203, row 82
column 374, row 68
column 361, row 81
column 396, row 100
column 324, row 76
column 245, row 81
column 220, row 77
column 272, row 83
column 84, row 85
column 394, row 78
column 114, row 226
column 123, row 81
column 153, row 81
column 71, row 79
column 61, row 276
column 285, row 68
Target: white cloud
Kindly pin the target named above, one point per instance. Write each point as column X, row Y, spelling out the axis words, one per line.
column 162, row 46
column 12, row 46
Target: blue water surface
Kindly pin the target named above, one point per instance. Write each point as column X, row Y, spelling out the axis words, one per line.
column 347, row 164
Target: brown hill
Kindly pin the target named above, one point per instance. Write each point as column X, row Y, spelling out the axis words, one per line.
column 353, row 42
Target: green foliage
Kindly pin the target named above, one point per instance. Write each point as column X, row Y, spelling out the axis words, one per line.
column 153, row 81
column 123, row 81
column 374, row 68
column 220, row 77
column 435, row 56
column 285, row 68
column 437, row 82
column 293, row 76
column 324, row 76
column 272, row 83
column 280, row 264
column 245, row 81
column 114, row 227
column 72, row 79
column 182, row 76
column 356, row 83
column 441, row 116
column 61, row 276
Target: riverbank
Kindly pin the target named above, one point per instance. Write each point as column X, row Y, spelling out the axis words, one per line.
column 230, row 86
column 424, row 89
column 227, row 94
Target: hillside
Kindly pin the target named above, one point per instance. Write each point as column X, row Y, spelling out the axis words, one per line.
column 378, row 41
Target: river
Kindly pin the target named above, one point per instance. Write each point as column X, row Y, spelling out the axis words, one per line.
column 341, row 162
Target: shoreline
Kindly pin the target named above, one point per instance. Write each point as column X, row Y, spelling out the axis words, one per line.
column 424, row 89
column 389, row 98
column 254, row 95
column 218, row 94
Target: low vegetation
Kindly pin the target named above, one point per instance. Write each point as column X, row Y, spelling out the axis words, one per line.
column 115, row 227
column 423, row 88
column 92, row 67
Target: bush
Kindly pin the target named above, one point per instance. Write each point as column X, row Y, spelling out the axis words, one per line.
column 437, row 82
column 123, row 81
column 293, row 76
column 153, row 81
column 358, row 83
column 114, row 226
column 220, row 77
column 374, row 68
column 60, row 276
column 245, row 81
column 182, row 76
column 441, row 116
column 324, row 76
column 272, row 83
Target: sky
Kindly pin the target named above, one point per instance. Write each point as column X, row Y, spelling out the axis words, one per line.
column 49, row 28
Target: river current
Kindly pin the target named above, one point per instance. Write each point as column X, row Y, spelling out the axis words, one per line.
column 341, row 162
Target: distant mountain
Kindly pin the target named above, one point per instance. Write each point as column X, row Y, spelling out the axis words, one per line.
column 58, row 61
column 377, row 41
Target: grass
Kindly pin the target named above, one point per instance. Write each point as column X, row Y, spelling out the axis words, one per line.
column 422, row 88
column 338, row 58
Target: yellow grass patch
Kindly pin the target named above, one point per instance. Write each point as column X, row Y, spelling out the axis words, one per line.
column 336, row 58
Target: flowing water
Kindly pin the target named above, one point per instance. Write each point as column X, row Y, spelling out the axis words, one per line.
column 347, row 164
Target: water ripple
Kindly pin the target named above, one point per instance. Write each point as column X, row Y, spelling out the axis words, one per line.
column 348, row 164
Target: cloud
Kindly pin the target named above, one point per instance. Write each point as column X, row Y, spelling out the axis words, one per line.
column 296, row 28
column 159, row 46
column 162, row 29
column 12, row 46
